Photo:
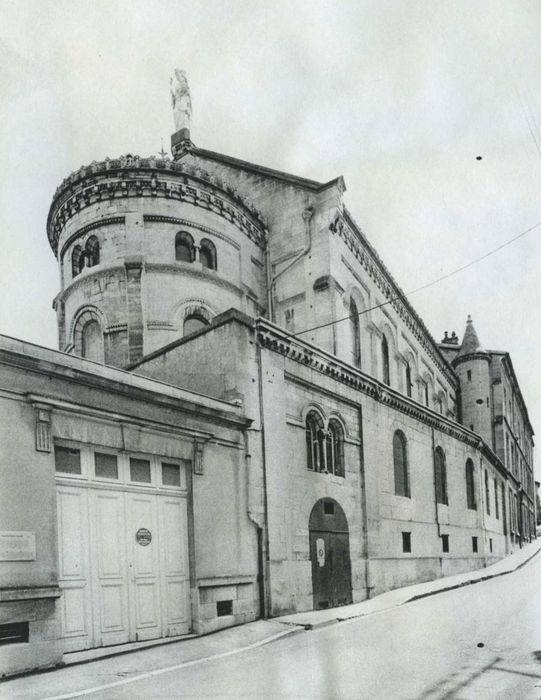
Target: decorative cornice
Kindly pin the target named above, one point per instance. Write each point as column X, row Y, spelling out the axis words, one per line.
column 191, row 224
column 131, row 176
column 275, row 339
column 371, row 262
column 190, row 270
column 86, row 276
column 470, row 356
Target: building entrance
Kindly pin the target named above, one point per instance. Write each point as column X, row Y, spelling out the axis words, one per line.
column 329, row 554
column 123, row 565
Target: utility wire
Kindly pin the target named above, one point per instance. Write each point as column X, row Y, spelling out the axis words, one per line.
column 424, row 286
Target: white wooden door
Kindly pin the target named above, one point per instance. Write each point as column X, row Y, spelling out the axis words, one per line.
column 109, row 567
column 74, row 568
column 144, row 562
column 174, row 565
column 123, row 566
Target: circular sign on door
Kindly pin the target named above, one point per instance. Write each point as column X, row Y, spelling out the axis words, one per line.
column 143, row 536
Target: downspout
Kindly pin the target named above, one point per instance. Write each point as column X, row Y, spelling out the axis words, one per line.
column 260, row 525
column 435, row 490
column 307, row 214
column 265, row 534
column 363, row 505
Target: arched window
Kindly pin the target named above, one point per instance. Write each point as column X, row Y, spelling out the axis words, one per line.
column 184, row 247
column 440, row 473
column 92, row 251
column 207, row 254
column 193, row 323
column 315, row 458
column 400, row 459
column 92, row 342
column 77, row 260
column 470, row 485
column 355, row 332
column 335, row 448
column 409, row 385
column 385, row 361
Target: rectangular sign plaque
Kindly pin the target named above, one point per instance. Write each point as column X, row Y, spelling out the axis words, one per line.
column 17, row 546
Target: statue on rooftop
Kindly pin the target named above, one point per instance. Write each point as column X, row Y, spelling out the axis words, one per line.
column 181, row 100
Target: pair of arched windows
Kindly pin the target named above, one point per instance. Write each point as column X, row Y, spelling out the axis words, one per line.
column 88, row 256
column 400, row 462
column 185, row 250
column 324, row 448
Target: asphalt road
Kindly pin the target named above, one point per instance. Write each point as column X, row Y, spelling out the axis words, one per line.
column 481, row 641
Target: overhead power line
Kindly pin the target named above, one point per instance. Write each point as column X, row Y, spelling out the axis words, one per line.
column 428, row 284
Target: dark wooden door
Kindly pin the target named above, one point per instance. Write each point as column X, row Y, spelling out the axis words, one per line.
column 329, row 554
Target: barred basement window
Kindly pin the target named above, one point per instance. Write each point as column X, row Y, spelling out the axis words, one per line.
column 400, row 461
column 445, row 543
column 474, row 545
column 490, row 544
column 224, row 607
column 406, row 542
column 14, row 633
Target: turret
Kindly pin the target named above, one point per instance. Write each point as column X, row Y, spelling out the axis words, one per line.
column 151, row 249
column 472, row 365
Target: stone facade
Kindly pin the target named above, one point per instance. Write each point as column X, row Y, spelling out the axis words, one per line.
column 230, row 327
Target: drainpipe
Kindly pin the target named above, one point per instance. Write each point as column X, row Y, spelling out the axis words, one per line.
column 257, row 521
column 265, row 532
column 435, row 489
column 307, row 214
column 363, row 504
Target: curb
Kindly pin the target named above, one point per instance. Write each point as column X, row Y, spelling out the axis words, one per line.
column 326, row 623
column 472, row 581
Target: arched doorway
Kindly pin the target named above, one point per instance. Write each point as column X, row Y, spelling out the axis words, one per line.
column 329, row 554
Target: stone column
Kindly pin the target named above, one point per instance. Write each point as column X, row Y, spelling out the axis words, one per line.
column 134, row 270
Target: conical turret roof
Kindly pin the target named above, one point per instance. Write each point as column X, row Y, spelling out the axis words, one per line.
column 470, row 343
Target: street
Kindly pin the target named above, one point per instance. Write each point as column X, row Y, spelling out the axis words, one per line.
column 480, row 641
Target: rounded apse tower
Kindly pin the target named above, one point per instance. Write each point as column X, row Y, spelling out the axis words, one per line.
column 150, row 249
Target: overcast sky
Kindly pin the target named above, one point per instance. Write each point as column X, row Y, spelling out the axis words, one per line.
column 398, row 97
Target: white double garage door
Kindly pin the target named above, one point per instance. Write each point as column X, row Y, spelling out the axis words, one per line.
column 123, row 566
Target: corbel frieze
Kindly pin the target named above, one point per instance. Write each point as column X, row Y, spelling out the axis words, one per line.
column 366, row 385
column 381, row 277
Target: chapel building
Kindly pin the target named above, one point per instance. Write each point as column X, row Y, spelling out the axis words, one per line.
column 245, row 418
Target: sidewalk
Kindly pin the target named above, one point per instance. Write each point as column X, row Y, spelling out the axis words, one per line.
column 81, row 679
column 319, row 618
